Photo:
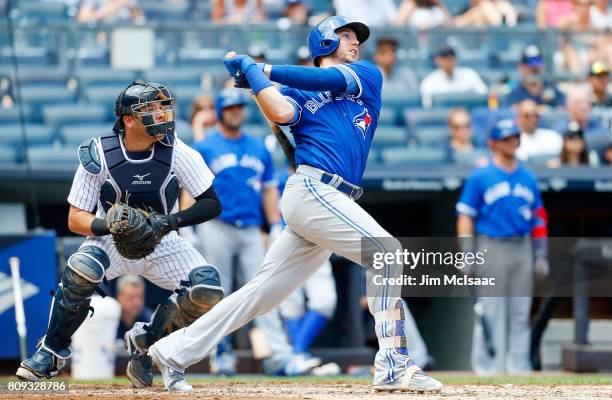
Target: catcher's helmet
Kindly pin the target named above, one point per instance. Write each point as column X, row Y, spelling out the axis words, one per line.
column 323, row 39
column 136, row 100
column 228, row 98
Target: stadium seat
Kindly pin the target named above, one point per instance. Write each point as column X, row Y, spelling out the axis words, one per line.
column 89, row 56
column 414, row 156
column 8, row 155
column 36, row 96
column 200, row 57
column 467, row 100
column 469, row 158
column 26, row 56
column 419, row 119
column 431, row 135
column 389, row 136
column 552, row 118
column 174, row 76
column 539, row 160
column 104, row 96
column 74, row 135
column 483, row 120
column 387, row 117
column 57, row 116
column 401, row 99
column 38, row 75
column 476, row 59
column 49, row 155
column 597, row 142
column 164, row 11
column 11, row 115
column 99, row 76
column 36, row 135
column 43, row 11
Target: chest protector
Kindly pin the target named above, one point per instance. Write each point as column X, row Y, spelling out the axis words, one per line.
column 148, row 184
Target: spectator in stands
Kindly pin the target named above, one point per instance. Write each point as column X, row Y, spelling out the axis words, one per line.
column 460, row 147
column 303, row 57
column 6, row 100
column 203, row 116
column 237, row 11
column 130, row 294
column 549, row 12
column 422, row 14
column 601, row 101
column 579, row 45
column 579, row 110
column 533, row 85
column 575, row 151
column 370, row 12
column 601, row 15
column 486, row 13
column 110, row 11
column 448, row 78
column 535, row 141
column 296, row 12
column 398, row 80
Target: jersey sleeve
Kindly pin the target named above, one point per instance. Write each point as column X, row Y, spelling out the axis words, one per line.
column 191, row 170
column 471, row 198
column 85, row 190
column 363, row 80
column 291, row 95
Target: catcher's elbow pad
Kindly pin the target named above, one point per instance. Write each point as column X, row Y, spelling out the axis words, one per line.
column 89, row 156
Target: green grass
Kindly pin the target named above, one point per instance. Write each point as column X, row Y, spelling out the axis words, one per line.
column 447, row 378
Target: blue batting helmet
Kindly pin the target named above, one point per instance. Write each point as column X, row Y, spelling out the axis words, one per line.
column 323, row 39
column 504, row 129
column 228, row 98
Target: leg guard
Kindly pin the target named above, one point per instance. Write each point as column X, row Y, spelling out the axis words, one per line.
column 195, row 298
column 85, row 270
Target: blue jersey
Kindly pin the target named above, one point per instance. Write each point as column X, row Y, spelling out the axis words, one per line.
column 502, row 204
column 242, row 168
column 334, row 131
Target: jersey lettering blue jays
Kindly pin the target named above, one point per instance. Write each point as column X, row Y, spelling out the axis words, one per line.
column 502, row 203
column 334, row 131
column 242, row 168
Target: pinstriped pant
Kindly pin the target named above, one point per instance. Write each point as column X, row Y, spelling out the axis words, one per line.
column 319, row 219
column 170, row 263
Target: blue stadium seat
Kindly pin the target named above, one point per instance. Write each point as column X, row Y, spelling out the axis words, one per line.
column 477, row 59
column 48, row 155
column 104, row 96
column 8, row 154
column 467, row 100
column 27, row 56
column 420, row 119
column 431, row 135
column 387, row 117
column 401, row 99
column 36, row 96
column 484, row 119
column 598, row 142
column 200, row 57
column 41, row 75
column 164, row 11
column 99, row 76
column 552, row 118
column 89, row 56
column 389, row 136
column 175, row 76
column 57, row 116
column 43, row 11
column 539, row 160
column 469, row 158
column 424, row 156
column 36, row 135
column 74, row 135
column 11, row 115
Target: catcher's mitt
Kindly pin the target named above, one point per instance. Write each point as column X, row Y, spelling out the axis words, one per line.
column 135, row 232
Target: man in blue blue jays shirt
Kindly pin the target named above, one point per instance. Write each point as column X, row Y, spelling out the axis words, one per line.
column 333, row 111
column 501, row 205
column 247, row 189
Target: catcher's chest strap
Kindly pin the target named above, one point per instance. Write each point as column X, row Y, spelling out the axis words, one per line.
column 144, row 179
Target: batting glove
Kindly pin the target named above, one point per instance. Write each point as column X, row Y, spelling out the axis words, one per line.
column 240, row 80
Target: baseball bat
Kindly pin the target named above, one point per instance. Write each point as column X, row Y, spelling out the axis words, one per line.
column 282, row 139
column 19, row 313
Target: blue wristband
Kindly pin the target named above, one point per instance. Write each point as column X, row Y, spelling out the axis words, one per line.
column 257, row 79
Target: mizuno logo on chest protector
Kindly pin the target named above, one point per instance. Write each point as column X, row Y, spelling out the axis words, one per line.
column 140, row 180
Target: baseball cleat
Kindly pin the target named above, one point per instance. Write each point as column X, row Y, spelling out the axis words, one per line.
column 174, row 380
column 140, row 368
column 414, row 380
column 42, row 364
column 301, row 364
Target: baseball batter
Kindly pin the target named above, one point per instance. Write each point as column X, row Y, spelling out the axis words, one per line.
column 501, row 205
column 143, row 163
column 332, row 110
column 247, row 188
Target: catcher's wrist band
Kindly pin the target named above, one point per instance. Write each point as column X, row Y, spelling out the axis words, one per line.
column 99, row 227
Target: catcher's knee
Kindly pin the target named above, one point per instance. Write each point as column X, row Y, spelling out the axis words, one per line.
column 197, row 295
column 85, row 270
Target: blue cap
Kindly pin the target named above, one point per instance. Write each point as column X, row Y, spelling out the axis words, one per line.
column 504, row 129
column 532, row 56
column 228, row 98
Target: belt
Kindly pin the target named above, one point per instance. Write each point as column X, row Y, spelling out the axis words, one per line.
column 352, row 191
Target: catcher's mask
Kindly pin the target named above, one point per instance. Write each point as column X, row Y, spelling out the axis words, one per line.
column 152, row 105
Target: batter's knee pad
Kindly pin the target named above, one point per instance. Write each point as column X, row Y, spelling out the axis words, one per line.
column 85, row 270
column 195, row 298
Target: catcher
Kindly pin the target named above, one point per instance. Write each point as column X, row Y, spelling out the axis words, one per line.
column 131, row 178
